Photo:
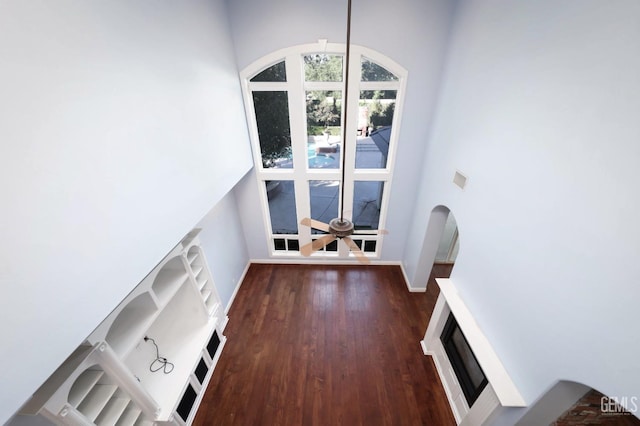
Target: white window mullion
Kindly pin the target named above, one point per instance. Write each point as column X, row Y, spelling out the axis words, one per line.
column 351, row 127
column 277, row 174
column 297, row 111
column 350, row 133
column 303, row 209
column 333, row 86
column 370, row 174
column 323, row 174
column 298, row 124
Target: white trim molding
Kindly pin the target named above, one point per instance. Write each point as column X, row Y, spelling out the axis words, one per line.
column 501, row 389
column 335, row 261
column 235, row 291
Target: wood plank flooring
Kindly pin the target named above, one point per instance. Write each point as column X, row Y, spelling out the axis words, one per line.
column 325, row 345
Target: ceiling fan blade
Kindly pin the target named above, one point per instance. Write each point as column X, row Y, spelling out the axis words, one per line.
column 316, row 245
column 316, row 224
column 373, row 232
column 362, row 258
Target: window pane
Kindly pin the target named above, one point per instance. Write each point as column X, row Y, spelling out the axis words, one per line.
column 279, row 244
column 370, row 246
column 293, row 245
column 272, row 118
column 323, row 196
column 282, row 206
column 367, row 199
column 323, row 67
column 275, row 72
column 324, row 109
column 374, row 72
column 375, row 117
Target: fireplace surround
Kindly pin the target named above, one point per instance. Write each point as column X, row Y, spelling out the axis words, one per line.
column 499, row 389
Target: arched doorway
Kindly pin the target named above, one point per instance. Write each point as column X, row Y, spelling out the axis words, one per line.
column 440, row 247
column 447, row 251
column 439, row 250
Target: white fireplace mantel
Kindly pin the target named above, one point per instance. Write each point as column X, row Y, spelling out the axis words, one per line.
column 501, row 383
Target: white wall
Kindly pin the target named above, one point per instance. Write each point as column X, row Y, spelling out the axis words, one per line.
column 247, row 200
column 222, row 239
column 445, row 248
column 121, row 125
column 260, row 28
column 554, row 403
column 539, row 108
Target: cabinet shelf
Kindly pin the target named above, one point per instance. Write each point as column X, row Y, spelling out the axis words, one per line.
column 197, row 270
column 192, row 256
column 96, row 400
column 129, row 416
column 83, row 385
column 112, row 411
column 201, row 283
column 212, row 306
column 169, row 279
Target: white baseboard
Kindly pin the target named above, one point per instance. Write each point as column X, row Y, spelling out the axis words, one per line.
column 319, row 261
column 235, row 292
column 224, row 323
column 423, row 345
column 288, row 261
column 407, row 282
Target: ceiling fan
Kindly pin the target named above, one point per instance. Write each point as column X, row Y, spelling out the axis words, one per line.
column 338, row 228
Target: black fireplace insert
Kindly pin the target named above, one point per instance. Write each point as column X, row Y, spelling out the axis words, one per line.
column 469, row 373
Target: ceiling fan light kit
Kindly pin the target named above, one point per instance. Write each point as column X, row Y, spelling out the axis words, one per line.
column 340, row 227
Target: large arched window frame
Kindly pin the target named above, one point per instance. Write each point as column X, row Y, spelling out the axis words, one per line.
column 298, row 172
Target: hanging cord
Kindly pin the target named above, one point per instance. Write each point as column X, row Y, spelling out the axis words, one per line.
column 346, row 107
column 159, row 363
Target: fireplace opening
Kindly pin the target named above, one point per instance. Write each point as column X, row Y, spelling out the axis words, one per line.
column 464, row 363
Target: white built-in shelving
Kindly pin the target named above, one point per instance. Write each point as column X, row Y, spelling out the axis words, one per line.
column 108, row 381
column 204, row 282
column 131, row 322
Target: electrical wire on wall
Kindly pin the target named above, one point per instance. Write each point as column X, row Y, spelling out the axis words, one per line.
column 160, row 363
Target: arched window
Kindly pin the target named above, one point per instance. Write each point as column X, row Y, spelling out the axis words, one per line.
column 295, row 109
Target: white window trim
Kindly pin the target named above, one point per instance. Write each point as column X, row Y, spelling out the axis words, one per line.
column 295, row 86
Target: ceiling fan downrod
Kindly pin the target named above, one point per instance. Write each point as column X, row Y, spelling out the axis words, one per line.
column 343, row 225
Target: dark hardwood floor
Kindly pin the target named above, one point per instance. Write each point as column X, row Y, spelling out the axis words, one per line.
column 439, row 270
column 326, row 345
